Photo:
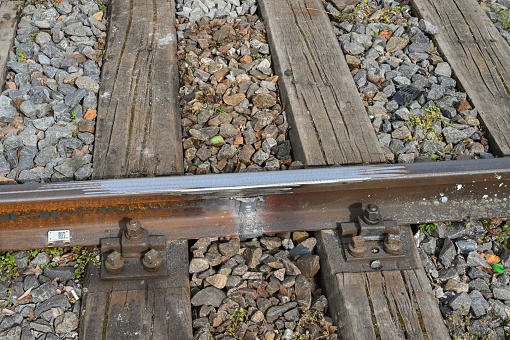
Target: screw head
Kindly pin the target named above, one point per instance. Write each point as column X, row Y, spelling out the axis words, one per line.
column 114, row 263
column 357, row 247
column 392, row 244
column 371, row 214
column 151, row 261
column 134, row 230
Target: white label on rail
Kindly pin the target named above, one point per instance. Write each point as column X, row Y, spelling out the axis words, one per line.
column 59, row 237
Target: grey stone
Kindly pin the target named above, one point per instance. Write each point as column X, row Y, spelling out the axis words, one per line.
column 274, row 312
column 87, row 83
column 476, row 260
column 198, row 265
column 11, row 334
column 12, row 141
column 28, row 176
column 43, row 123
column 210, row 296
column 26, row 158
column 73, row 99
column 448, row 253
column 66, row 322
column 46, row 155
column 18, row 67
column 30, row 282
column 478, row 304
column 5, row 168
column 11, row 321
column 475, row 273
column 436, row 92
column 447, row 274
column 69, row 166
column 44, row 292
column 63, row 273
column 427, row 27
column 501, row 310
column 53, row 302
column 461, row 302
column 443, row 69
column 432, row 146
column 84, row 172
column 501, row 292
column 77, row 29
column 453, row 135
column 7, row 113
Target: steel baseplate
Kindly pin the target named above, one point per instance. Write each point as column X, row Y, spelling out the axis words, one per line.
column 371, row 243
column 133, row 256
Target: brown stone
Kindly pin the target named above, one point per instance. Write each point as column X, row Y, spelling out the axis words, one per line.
column 83, row 151
column 463, row 105
column 386, row 34
column 221, row 73
column 352, row 61
column 456, row 286
column 303, row 292
column 98, row 15
column 299, row 236
column 264, row 101
column 246, row 59
column 6, row 181
column 252, row 256
column 90, row 114
column 218, row 280
column 86, row 126
column 234, row 99
column 78, row 57
column 245, row 154
column 309, row 265
column 10, row 85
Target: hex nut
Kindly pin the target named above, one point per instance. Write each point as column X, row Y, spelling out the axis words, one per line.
column 114, row 263
column 151, row 261
column 134, row 231
column 372, row 215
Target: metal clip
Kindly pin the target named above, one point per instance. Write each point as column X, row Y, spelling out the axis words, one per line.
column 134, row 255
column 371, row 238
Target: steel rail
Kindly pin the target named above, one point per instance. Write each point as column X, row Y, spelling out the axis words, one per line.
column 252, row 203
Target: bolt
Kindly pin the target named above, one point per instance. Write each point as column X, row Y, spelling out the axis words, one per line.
column 134, row 230
column 357, row 246
column 371, row 215
column 151, row 261
column 114, row 263
column 392, row 244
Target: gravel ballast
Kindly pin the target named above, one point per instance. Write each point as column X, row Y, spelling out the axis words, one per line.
column 48, row 104
column 409, row 91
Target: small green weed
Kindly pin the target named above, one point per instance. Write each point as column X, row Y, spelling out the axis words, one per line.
column 21, row 55
column 428, row 227
column 237, row 319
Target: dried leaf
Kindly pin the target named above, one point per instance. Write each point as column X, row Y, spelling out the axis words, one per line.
column 7, row 311
column 25, row 298
column 491, row 258
column 487, row 270
column 33, row 271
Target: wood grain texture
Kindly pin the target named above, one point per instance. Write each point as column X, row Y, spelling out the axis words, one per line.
column 93, row 315
column 392, row 304
column 479, row 58
column 329, row 122
column 140, row 309
column 355, row 316
column 8, row 22
column 138, row 129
